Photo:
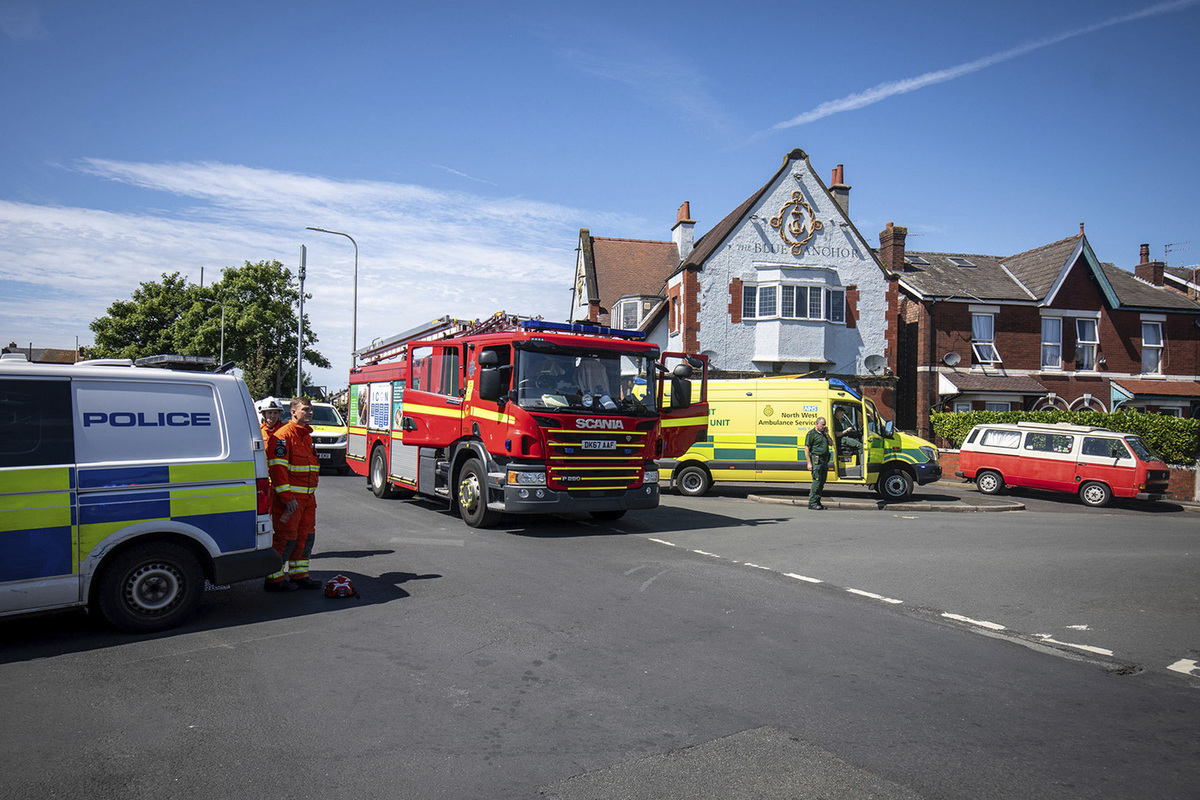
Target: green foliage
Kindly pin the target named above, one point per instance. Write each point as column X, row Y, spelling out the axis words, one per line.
column 172, row 316
column 1175, row 439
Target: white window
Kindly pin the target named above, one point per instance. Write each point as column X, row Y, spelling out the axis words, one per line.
column 961, row 408
column 1001, row 407
column 1051, row 342
column 1087, row 343
column 749, row 302
column 837, row 306
column 1152, row 348
column 983, row 338
column 1010, row 439
column 791, row 301
column 627, row 314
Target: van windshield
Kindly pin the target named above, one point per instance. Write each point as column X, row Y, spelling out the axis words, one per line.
column 327, row 415
column 1140, row 449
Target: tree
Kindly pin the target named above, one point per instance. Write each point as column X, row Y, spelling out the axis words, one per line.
column 260, row 302
column 146, row 324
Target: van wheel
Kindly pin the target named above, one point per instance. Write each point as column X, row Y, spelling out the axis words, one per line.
column 989, row 482
column 472, row 496
column 1095, row 494
column 895, row 485
column 150, row 587
column 692, row 481
column 379, row 483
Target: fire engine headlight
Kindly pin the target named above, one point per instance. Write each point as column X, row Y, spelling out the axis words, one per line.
column 650, row 476
column 930, row 452
column 522, row 478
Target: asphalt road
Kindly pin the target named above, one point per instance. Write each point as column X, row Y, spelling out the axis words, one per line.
column 684, row 652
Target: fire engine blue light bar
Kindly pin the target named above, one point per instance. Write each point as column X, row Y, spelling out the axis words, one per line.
column 576, row 327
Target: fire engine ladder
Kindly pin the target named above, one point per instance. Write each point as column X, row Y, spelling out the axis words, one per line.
column 441, row 328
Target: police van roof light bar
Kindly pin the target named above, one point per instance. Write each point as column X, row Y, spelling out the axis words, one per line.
column 577, row 327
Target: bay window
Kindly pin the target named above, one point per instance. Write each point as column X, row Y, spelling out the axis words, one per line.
column 793, row 301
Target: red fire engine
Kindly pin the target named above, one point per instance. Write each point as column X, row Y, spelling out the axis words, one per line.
column 523, row 416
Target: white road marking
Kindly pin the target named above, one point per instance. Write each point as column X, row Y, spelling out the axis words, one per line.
column 1078, row 627
column 1185, row 665
column 1045, row 637
column 758, row 566
column 703, row 553
column 406, row 540
column 651, row 580
column 873, row 596
column 660, row 541
column 802, row 577
column 991, row 626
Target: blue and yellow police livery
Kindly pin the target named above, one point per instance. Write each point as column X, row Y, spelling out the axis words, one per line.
column 123, row 489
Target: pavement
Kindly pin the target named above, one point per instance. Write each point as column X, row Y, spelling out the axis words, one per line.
column 941, row 495
column 952, row 495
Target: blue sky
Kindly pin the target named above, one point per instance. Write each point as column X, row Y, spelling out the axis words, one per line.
column 463, row 145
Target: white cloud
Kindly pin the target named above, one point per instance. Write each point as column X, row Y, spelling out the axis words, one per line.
column 422, row 253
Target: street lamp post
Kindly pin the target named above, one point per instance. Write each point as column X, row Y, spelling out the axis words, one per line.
column 354, row 323
column 222, row 305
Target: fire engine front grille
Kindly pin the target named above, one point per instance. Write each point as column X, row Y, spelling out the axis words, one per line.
column 595, row 461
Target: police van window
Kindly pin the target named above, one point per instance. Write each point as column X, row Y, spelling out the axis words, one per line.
column 35, row 423
column 143, row 421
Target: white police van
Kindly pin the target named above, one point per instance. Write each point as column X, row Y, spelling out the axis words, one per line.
column 124, row 488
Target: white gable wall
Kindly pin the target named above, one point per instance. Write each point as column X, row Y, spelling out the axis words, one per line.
column 834, row 258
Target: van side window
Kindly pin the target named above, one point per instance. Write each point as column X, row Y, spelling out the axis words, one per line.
column 35, row 423
column 1103, row 448
column 1049, row 442
column 972, row 435
column 994, row 438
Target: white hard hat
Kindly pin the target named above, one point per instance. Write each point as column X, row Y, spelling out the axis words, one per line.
column 269, row 404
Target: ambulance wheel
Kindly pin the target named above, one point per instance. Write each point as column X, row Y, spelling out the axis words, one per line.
column 150, row 587
column 472, row 496
column 895, row 485
column 989, row 482
column 1095, row 494
column 379, row 482
column 692, row 481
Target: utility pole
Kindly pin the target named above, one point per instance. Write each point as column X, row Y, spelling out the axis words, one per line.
column 300, row 323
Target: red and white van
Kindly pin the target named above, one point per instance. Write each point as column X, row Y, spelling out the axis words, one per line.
column 1095, row 463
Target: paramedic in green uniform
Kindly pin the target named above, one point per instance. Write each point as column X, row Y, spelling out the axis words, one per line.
column 816, row 453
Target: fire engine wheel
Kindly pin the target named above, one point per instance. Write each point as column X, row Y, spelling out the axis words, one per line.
column 472, row 496
column 1095, row 494
column 150, row 587
column 989, row 482
column 380, row 484
column 692, row 481
column 895, row 485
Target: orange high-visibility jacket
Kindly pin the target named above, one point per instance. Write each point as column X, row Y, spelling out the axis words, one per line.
column 293, row 461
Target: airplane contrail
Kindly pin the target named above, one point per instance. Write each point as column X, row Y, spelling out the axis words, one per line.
column 893, row 88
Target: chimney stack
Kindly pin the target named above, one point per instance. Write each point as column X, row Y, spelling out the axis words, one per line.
column 683, row 232
column 1149, row 271
column 891, row 246
column 840, row 191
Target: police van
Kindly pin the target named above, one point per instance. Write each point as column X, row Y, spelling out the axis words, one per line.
column 756, row 430
column 124, row 488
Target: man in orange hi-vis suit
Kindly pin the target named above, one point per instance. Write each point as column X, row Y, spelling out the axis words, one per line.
column 294, row 468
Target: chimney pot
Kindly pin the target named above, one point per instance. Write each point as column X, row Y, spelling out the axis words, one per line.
column 1145, row 254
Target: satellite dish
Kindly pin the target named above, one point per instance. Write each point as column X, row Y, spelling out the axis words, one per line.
column 874, row 363
column 951, row 359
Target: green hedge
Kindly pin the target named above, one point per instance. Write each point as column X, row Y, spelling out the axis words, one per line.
column 1175, row 439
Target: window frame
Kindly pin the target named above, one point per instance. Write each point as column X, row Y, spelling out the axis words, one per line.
column 1083, row 345
column 793, row 300
column 981, row 347
column 1056, row 364
column 1159, row 349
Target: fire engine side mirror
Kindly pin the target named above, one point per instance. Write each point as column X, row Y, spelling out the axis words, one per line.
column 681, row 391
column 682, row 370
column 489, row 358
column 408, row 424
column 491, row 382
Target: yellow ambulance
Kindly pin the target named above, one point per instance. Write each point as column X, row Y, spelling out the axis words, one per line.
column 756, row 431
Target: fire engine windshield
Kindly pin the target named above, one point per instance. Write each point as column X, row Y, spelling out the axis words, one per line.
column 595, row 381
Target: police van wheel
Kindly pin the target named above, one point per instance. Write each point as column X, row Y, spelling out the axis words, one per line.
column 472, row 496
column 1095, row 494
column 895, row 485
column 150, row 587
column 692, row 481
column 380, row 484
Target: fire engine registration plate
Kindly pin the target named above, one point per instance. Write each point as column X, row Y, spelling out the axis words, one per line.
column 323, row 455
column 599, row 444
